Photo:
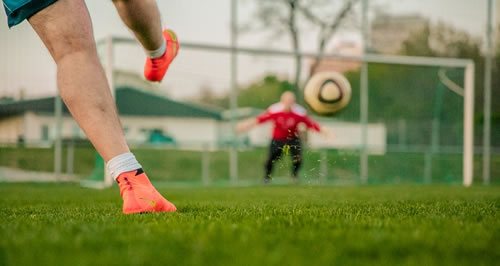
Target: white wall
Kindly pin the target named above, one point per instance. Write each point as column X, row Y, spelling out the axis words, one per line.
column 347, row 136
column 34, row 123
column 189, row 132
column 11, row 128
column 185, row 131
column 29, row 126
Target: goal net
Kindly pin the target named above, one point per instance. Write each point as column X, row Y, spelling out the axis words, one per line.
column 409, row 120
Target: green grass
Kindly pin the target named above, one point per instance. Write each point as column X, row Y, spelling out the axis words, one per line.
column 44, row 224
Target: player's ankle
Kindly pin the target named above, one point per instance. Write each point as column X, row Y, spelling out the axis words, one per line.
column 157, row 53
column 122, row 163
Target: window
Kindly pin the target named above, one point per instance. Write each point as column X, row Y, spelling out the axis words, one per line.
column 45, row 133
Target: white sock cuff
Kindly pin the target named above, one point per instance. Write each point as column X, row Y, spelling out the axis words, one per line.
column 158, row 52
column 122, row 163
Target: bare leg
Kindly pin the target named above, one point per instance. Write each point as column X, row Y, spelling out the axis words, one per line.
column 143, row 18
column 66, row 30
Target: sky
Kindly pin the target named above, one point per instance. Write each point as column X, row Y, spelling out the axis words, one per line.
column 26, row 65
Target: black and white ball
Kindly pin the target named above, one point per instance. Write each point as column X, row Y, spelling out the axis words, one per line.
column 327, row 93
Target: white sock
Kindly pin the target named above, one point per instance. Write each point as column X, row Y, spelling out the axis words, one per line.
column 158, row 52
column 122, row 163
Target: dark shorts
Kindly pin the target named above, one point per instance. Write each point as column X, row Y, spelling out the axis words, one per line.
column 19, row 10
column 287, row 147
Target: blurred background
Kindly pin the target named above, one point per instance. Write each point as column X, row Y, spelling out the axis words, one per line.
column 408, row 129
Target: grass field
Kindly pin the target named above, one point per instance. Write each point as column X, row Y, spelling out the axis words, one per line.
column 47, row 224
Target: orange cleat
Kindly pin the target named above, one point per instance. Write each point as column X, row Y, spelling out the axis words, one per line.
column 139, row 195
column 155, row 69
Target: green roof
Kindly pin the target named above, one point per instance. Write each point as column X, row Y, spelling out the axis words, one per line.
column 45, row 105
column 130, row 102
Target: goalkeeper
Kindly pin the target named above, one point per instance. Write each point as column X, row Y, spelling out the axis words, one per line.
column 286, row 116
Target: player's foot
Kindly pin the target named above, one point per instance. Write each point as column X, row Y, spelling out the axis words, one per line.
column 155, row 69
column 267, row 180
column 139, row 195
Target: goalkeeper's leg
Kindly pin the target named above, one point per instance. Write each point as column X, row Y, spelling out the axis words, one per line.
column 296, row 152
column 275, row 151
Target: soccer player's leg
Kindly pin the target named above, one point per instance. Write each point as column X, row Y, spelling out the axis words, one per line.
column 143, row 18
column 66, row 30
column 296, row 152
column 275, row 151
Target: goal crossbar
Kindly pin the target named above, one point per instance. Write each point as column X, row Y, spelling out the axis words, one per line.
column 369, row 58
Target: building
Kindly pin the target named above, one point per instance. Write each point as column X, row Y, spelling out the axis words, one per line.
column 151, row 119
column 146, row 118
column 388, row 32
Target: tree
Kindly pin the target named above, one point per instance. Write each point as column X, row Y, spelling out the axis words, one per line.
column 263, row 93
column 328, row 26
column 282, row 16
column 259, row 94
column 442, row 40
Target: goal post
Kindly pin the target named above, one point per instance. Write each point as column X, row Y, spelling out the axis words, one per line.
column 468, row 161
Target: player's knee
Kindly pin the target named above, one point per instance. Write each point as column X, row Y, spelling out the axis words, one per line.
column 72, row 43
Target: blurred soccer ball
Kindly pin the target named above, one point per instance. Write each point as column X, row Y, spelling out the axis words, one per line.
column 327, row 93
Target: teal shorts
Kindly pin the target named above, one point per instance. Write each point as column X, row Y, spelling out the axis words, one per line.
column 19, row 10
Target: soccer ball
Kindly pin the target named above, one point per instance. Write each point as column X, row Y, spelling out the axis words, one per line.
column 327, row 93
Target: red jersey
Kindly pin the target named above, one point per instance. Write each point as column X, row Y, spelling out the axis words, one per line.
column 285, row 123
